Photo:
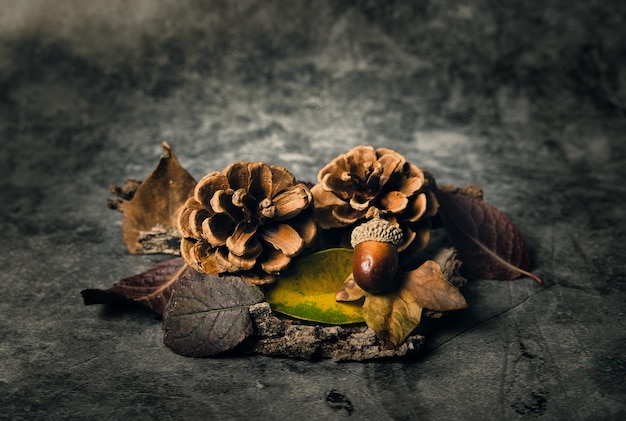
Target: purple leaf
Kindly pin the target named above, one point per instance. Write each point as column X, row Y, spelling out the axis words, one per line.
column 489, row 245
column 208, row 314
column 151, row 288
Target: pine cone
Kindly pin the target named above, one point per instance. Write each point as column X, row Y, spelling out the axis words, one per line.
column 251, row 218
column 364, row 183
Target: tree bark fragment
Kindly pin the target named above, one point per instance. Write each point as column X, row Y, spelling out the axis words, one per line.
column 290, row 338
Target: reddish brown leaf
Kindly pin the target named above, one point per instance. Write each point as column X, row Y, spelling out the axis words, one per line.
column 489, row 245
column 154, row 205
column 151, row 288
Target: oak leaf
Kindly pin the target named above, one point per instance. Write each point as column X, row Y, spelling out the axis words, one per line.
column 153, row 209
column 394, row 315
column 209, row 314
column 151, row 288
column 489, row 245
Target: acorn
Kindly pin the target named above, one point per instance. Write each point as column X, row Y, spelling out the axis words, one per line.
column 375, row 261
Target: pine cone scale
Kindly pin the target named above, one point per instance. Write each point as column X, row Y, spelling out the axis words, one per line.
column 289, row 203
column 242, row 239
column 207, row 186
column 284, row 238
column 260, row 181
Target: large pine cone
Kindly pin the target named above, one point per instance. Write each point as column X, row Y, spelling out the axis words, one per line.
column 251, row 218
column 364, row 183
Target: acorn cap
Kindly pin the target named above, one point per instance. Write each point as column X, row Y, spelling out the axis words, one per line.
column 376, row 229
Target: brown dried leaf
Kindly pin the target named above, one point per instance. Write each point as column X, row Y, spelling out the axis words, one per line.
column 151, row 288
column 156, row 201
column 434, row 292
column 393, row 316
column 489, row 245
column 208, row 314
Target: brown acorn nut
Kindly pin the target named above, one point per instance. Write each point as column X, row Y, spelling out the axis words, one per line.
column 375, row 261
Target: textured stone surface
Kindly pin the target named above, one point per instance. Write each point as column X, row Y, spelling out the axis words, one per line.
column 526, row 99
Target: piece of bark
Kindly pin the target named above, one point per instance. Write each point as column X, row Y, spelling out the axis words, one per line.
column 290, row 338
column 123, row 194
column 161, row 239
column 126, row 191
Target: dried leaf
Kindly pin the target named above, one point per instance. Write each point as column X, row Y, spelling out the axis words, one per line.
column 208, row 314
column 393, row 316
column 151, row 288
column 307, row 290
column 156, row 202
column 434, row 292
column 489, row 245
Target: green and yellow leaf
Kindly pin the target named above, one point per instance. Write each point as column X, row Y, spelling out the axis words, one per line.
column 307, row 290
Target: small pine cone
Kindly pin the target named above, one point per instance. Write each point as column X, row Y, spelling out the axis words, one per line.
column 252, row 218
column 365, row 183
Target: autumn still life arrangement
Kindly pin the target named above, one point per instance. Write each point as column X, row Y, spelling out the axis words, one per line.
column 345, row 268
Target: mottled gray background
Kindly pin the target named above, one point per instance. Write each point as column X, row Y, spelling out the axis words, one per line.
column 525, row 98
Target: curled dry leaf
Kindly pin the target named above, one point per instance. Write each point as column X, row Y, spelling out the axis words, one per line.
column 154, row 206
column 151, row 288
column 393, row 316
column 209, row 314
column 489, row 245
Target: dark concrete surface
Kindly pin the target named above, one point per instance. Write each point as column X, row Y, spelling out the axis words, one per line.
column 526, row 99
